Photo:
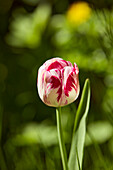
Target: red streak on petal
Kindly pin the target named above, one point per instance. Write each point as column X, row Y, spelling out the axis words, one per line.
column 68, row 63
column 55, row 82
column 54, row 65
column 66, row 102
column 69, row 84
column 59, row 93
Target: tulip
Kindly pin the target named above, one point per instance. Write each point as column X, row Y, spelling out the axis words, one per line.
column 58, row 82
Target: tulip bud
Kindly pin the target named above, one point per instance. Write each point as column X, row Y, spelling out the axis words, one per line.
column 58, row 82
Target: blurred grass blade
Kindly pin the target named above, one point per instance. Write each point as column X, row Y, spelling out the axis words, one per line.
column 3, row 165
column 79, row 131
column 1, row 113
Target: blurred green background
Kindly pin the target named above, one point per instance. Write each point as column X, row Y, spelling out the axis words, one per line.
column 32, row 31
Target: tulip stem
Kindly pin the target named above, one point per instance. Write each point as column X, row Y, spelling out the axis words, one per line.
column 61, row 140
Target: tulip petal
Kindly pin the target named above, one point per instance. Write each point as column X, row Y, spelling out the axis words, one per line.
column 69, row 80
column 52, row 87
column 71, row 84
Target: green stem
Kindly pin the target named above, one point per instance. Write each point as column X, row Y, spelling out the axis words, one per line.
column 60, row 138
column 2, row 157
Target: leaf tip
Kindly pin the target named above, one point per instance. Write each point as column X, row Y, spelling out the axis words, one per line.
column 87, row 81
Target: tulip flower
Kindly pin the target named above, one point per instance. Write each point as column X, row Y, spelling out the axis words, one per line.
column 58, row 85
column 58, row 82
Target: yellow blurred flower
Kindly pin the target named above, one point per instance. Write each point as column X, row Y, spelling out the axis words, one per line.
column 78, row 13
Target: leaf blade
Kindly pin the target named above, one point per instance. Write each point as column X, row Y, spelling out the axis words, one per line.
column 79, row 131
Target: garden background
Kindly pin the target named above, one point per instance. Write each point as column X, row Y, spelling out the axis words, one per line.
column 32, row 31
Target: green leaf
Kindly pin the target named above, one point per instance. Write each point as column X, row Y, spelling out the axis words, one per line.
column 79, row 131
